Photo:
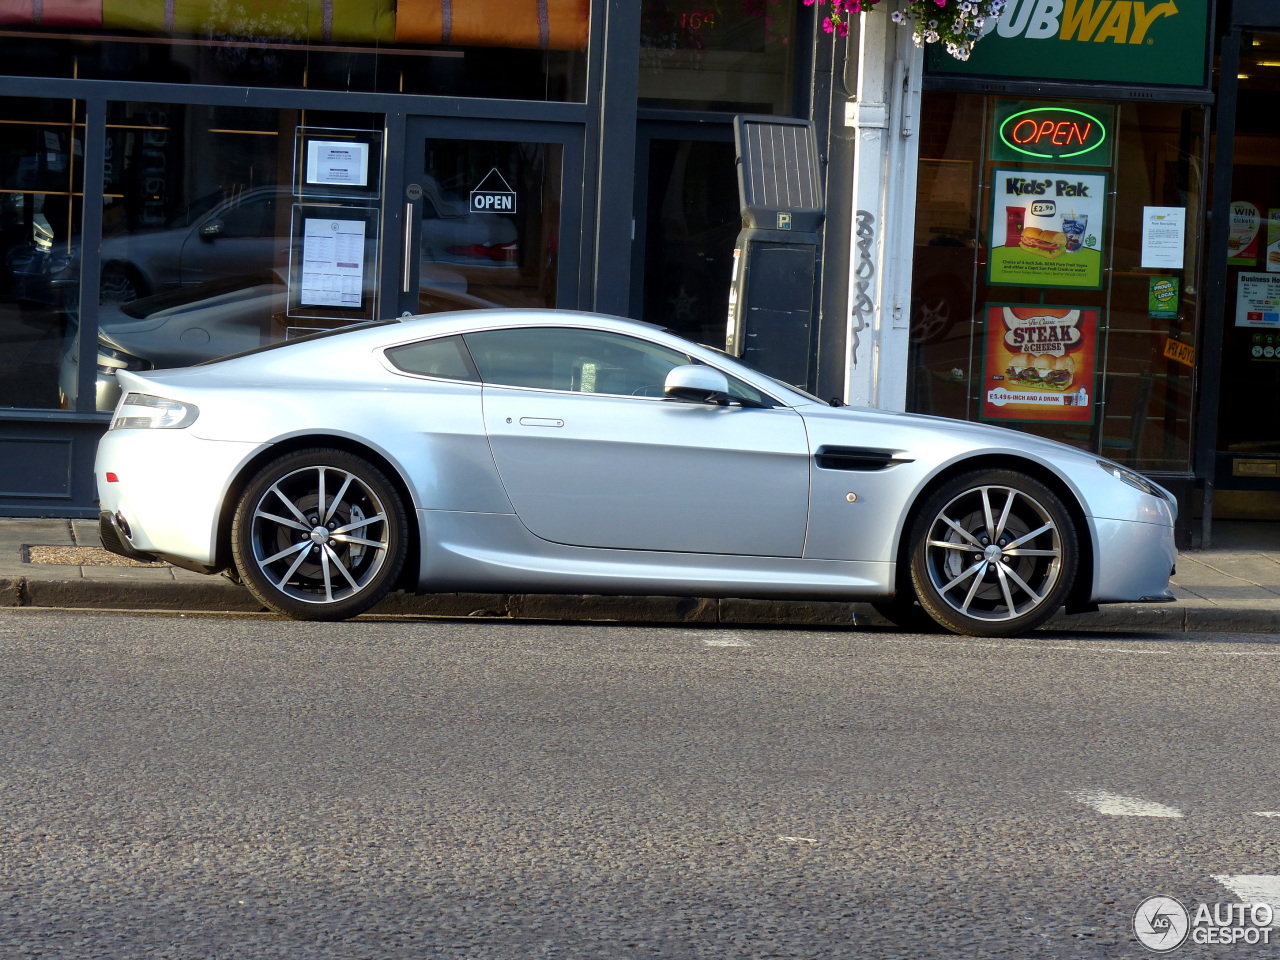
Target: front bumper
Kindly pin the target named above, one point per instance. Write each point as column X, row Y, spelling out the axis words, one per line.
column 1133, row 561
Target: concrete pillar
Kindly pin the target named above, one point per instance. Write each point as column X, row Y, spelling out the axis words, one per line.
column 884, row 117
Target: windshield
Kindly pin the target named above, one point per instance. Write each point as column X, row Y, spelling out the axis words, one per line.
column 782, row 383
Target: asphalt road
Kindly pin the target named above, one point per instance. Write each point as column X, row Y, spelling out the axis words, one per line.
column 246, row 787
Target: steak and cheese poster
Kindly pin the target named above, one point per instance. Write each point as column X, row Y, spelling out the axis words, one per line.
column 1047, row 229
column 1040, row 363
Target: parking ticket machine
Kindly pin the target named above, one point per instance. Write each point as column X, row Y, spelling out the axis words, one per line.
column 773, row 298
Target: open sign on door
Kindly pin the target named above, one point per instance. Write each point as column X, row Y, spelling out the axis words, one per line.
column 493, row 195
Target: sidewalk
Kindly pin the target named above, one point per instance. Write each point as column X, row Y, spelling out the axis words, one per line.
column 1233, row 587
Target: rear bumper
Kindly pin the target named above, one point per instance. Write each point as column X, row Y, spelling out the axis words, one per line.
column 168, row 498
column 111, row 531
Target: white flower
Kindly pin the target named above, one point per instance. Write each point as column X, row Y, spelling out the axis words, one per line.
column 917, row 39
column 979, row 23
column 897, row 17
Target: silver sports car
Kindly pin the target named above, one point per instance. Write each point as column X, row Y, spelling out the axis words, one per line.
column 548, row 451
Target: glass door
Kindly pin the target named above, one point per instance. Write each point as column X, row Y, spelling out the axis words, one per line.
column 486, row 217
column 1248, row 450
column 687, row 221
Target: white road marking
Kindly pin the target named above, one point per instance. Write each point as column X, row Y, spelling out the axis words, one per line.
column 1114, row 805
column 797, row 840
column 1255, row 888
column 1266, row 813
column 725, row 640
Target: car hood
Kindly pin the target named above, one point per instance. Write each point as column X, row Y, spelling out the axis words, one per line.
column 926, row 437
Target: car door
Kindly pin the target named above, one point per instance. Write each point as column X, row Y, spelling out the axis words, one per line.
column 592, row 454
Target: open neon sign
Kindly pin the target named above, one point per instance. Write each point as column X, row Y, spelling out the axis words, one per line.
column 1053, row 133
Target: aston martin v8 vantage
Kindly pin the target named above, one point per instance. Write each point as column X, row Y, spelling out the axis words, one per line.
column 551, row 451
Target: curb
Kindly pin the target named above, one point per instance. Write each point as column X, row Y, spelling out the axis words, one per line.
column 220, row 596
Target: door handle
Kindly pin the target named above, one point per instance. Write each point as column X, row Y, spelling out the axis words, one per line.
column 408, row 246
column 540, row 422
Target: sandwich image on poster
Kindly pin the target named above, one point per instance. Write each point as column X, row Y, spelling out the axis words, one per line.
column 1047, row 229
column 1039, row 363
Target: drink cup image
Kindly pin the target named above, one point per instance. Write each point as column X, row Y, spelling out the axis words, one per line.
column 1074, row 226
column 1014, row 221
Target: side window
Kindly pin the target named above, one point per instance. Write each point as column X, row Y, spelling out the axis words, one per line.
column 444, row 357
column 581, row 361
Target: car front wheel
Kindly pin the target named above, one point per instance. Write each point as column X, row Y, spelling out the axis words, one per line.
column 320, row 535
column 994, row 554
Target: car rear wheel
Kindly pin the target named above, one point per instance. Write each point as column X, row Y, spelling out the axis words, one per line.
column 320, row 535
column 994, row 554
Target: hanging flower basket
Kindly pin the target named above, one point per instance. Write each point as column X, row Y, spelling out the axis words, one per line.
column 955, row 24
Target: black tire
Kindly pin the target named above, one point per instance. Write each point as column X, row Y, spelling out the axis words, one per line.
column 904, row 612
column 994, row 553
column 357, row 546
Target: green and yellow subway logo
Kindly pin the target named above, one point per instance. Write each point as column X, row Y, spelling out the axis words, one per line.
column 1087, row 21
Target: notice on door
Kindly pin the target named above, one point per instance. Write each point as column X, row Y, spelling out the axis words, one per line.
column 1163, row 232
column 332, row 262
column 1258, row 300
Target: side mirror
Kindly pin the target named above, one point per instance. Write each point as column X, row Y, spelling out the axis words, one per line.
column 211, row 230
column 696, row 383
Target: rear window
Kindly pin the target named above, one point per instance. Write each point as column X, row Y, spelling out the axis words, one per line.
column 444, row 357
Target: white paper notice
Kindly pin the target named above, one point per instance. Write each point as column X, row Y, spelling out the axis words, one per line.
column 332, row 263
column 1258, row 301
column 1163, row 236
column 338, row 163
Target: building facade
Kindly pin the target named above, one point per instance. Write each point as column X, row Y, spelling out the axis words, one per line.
column 1097, row 242
column 184, row 179
column 1073, row 233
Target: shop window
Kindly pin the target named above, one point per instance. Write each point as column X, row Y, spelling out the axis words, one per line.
column 197, row 258
column 1052, row 294
column 734, row 56
column 480, row 48
column 41, row 203
column 1248, row 435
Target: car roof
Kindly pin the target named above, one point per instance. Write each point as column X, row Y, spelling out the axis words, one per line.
column 334, row 349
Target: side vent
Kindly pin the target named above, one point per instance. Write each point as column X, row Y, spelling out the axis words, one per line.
column 857, row 458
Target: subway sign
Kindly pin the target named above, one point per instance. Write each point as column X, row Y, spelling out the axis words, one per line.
column 1077, row 134
column 1161, row 42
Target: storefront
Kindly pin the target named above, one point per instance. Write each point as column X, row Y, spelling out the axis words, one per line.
column 181, row 179
column 1241, row 453
column 1062, row 250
